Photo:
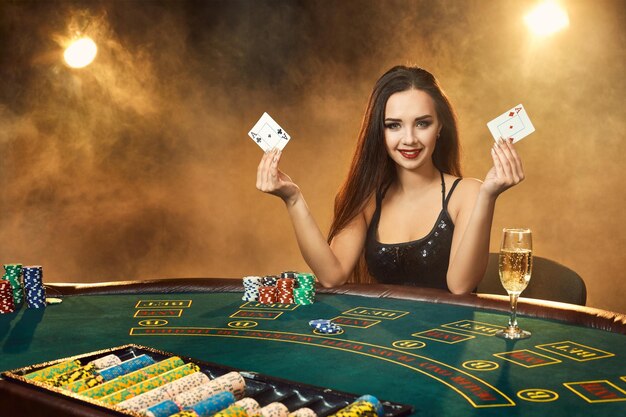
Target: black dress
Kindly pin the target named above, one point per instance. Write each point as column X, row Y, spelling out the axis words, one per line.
column 422, row 262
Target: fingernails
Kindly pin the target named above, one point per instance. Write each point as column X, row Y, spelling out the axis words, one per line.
column 510, row 140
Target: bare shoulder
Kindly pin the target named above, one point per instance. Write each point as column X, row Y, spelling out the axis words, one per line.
column 464, row 195
column 369, row 209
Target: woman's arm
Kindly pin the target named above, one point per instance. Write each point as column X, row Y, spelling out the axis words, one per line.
column 470, row 244
column 332, row 264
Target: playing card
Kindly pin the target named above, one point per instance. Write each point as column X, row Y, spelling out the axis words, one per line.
column 514, row 123
column 268, row 134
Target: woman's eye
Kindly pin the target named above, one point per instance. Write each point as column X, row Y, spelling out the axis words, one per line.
column 422, row 123
column 392, row 125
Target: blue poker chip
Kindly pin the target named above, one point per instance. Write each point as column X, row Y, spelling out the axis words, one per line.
column 329, row 330
column 318, row 322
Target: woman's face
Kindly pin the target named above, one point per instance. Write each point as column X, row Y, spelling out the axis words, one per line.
column 411, row 128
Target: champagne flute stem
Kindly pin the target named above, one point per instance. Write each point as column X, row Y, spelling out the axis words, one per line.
column 513, row 318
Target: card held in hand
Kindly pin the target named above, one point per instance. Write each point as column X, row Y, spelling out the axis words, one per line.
column 514, row 123
column 268, row 134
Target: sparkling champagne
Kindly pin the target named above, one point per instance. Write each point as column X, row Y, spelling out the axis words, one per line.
column 515, row 269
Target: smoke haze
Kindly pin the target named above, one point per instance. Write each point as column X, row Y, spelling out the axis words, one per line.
column 139, row 165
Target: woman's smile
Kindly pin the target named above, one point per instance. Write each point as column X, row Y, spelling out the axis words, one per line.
column 409, row 153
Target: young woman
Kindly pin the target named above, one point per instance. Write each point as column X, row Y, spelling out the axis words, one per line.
column 403, row 215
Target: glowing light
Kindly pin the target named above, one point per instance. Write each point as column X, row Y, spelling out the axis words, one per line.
column 80, row 53
column 547, row 18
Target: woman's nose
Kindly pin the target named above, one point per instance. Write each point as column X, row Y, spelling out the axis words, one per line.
column 410, row 137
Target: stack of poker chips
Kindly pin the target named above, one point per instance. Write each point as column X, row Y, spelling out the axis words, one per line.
column 274, row 409
column 231, row 382
column 126, row 380
column 325, row 326
column 33, row 287
column 304, row 291
column 284, row 290
column 251, row 286
column 13, row 275
column 7, row 304
column 303, row 412
column 167, row 392
column 206, row 398
column 365, row 406
column 269, row 280
column 290, row 288
column 108, row 373
column 150, row 384
column 267, row 291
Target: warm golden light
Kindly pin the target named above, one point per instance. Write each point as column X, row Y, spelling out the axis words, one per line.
column 547, row 18
column 80, row 53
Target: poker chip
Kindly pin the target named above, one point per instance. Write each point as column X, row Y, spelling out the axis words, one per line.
column 51, row 371
column 185, row 413
column 126, row 367
column 150, row 384
column 375, row 402
column 74, row 375
column 166, row 392
column 284, row 290
column 13, row 275
column 303, row 412
column 106, row 361
column 253, row 409
column 231, row 382
column 34, row 291
column 7, row 302
column 214, row 404
column 325, row 326
column 121, row 382
column 232, row 411
column 267, row 294
column 304, row 290
column 163, row 409
column 251, row 286
column 357, row 409
column 274, row 409
column 269, row 280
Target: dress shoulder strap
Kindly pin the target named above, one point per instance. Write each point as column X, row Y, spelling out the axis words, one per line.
column 454, row 184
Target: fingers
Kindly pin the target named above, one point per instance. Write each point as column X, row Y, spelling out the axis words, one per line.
column 267, row 171
column 503, row 159
column 511, row 164
column 517, row 161
column 260, row 172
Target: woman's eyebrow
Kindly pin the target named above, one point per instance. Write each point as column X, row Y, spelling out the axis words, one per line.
column 391, row 119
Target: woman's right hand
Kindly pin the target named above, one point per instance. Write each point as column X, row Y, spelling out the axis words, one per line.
column 272, row 180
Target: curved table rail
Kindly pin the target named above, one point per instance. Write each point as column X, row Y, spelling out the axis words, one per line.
column 574, row 314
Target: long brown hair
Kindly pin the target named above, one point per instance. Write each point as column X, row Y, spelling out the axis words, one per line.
column 371, row 167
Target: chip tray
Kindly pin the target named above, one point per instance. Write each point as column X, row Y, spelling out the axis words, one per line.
column 263, row 388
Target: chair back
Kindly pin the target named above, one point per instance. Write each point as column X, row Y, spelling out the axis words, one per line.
column 549, row 281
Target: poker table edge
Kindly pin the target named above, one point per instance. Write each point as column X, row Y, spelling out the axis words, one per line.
column 551, row 310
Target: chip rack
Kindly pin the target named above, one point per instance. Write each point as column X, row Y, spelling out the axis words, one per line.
column 263, row 388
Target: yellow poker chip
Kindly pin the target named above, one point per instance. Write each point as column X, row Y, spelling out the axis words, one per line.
column 52, row 300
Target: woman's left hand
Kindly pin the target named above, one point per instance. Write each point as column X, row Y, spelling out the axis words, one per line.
column 507, row 169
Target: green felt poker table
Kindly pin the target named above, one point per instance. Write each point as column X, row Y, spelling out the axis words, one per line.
column 426, row 348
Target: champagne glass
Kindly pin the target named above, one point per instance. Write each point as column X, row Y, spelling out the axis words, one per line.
column 515, row 266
